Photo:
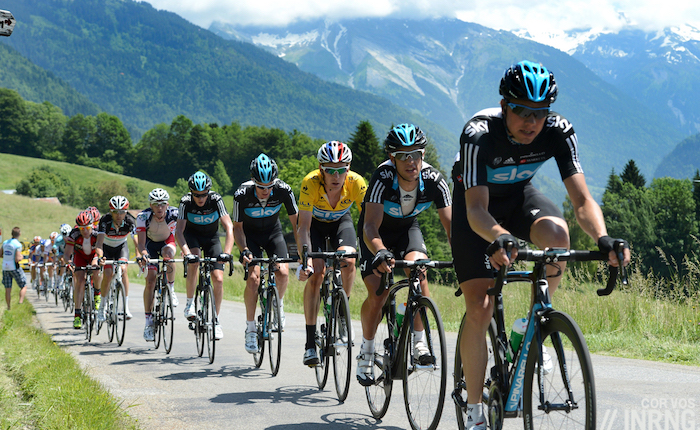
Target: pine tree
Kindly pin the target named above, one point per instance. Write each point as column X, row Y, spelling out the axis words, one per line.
column 632, row 175
column 366, row 150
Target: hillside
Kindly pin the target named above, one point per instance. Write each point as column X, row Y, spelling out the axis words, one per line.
column 683, row 161
column 38, row 85
column 148, row 66
column 449, row 69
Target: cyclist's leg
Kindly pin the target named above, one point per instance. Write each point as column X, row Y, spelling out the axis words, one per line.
column 346, row 236
column 7, row 283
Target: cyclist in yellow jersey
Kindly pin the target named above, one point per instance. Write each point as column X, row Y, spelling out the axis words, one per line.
column 324, row 212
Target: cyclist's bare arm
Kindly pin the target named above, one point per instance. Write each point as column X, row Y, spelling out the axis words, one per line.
column 484, row 224
column 374, row 215
column 228, row 229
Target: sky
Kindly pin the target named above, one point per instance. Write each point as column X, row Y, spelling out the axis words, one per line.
column 535, row 16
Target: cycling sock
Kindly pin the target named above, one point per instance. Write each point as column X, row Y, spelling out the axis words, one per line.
column 97, row 292
column 367, row 346
column 475, row 414
column 249, row 326
column 189, row 300
column 78, row 312
column 311, row 336
column 418, row 336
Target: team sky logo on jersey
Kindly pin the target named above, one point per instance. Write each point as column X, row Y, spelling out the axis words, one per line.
column 428, row 175
column 512, row 174
column 476, row 127
column 386, row 174
column 260, row 212
column 394, row 209
column 559, row 122
column 203, row 219
column 328, row 215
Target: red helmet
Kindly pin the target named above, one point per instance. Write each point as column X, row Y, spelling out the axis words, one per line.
column 95, row 213
column 84, row 218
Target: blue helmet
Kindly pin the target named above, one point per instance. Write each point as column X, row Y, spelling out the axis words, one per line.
column 528, row 80
column 199, row 182
column 404, row 135
column 263, row 169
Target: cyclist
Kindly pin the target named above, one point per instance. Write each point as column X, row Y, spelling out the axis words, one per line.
column 60, row 246
column 326, row 197
column 81, row 245
column 501, row 149
column 11, row 256
column 198, row 218
column 113, row 230
column 155, row 227
column 400, row 189
column 256, row 226
column 36, row 257
column 50, row 256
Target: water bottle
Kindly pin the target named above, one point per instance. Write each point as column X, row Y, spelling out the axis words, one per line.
column 329, row 300
column 516, row 337
column 400, row 312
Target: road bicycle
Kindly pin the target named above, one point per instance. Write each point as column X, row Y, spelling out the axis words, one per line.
column 548, row 396
column 162, row 305
column 41, row 281
column 424, row 377
column 205, row 308
column 88, row 313
column 269, row 321
column 66, row 292
column 115, row 305
column 334, row 336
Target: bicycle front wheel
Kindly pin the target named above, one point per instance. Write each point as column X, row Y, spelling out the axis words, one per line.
column 562, row 394
column 210, row 321
column 167, row 319
column 425, row 376
column 54, row 290
column 156, row 307
column 341, row 344
column 274, row 330
column 111, row 325
column 119, row 317
column 88, row 310
column 199, row 330
column 379, row 394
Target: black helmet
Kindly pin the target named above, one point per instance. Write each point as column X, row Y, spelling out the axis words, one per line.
column 404, row 135
column 528, row 80
column 263, row 169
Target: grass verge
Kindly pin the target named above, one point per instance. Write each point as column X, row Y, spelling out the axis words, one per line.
column 42, row 386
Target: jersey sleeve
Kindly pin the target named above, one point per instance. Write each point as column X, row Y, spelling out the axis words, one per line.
column 141, row 220
column 378, row 184
column 566, row 154
column 289, row 200
column 309, row 190
column 443, row 198
column 360, row 190
column 472, row 157
column 238, row 197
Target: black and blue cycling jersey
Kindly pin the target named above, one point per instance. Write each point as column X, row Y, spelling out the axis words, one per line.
column 249, row 210
column 202, row 220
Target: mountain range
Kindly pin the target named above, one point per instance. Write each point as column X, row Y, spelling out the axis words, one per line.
column 450, row 69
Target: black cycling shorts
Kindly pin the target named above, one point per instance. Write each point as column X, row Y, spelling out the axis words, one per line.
column 120, row 252
column 272, row 241
column 399, row 241
column 515, row 213
column 340, row 233
column 210, row 246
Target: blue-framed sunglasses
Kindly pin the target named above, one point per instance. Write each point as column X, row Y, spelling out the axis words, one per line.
column 525, row 111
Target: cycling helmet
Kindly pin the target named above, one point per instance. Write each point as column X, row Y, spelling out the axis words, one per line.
column 334, row 152
column 528, row 80
column 53, row 235
column 263, row 169
column 158, row 195
column 37, row 239
column 404, row 135
column 118, row 203
column 84, row 218
column 199, row 182
column 95, row 213
column 65, row 229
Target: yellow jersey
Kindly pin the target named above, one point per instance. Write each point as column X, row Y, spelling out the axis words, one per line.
column 313, row 196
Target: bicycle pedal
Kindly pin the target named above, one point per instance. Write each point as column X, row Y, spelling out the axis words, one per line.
column 191, row 325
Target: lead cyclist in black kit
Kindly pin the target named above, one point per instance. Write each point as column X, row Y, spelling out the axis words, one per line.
column 494, row 202
column 198, row 218
column 257, row 227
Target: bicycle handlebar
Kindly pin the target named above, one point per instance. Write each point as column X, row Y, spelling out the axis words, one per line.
column 207, row 260
column 409, row 264
column 261, row 260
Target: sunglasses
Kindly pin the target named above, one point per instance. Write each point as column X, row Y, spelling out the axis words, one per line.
column 160, row 204
column 526, row 111
column 404, row 155
column 263, row 187
column 118, row 212
column 334, row 170
column 200, row 195
column 84, row 227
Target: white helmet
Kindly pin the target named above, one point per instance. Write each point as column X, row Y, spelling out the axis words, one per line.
column 158, row 195
column 334, row 152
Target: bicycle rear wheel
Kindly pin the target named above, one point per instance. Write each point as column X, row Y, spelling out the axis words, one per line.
column 379, row 394
column 321, row 369
column 88, row 310
column 111, row 326
column 425, row 377
column 460, row 384
column 119, row 312
column 166, row 319
column 210, row 321
column 274, row 330
column 199, row 330
column 564, row 397
column 341, row 345
column 54, row 289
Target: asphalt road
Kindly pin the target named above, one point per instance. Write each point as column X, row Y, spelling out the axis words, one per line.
column 183, row 391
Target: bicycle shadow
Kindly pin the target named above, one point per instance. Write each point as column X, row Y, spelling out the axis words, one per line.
column 338, row 421
column 222, row 372
column 296, row 394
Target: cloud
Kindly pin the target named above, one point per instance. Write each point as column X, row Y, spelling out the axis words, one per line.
column 535, row 15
